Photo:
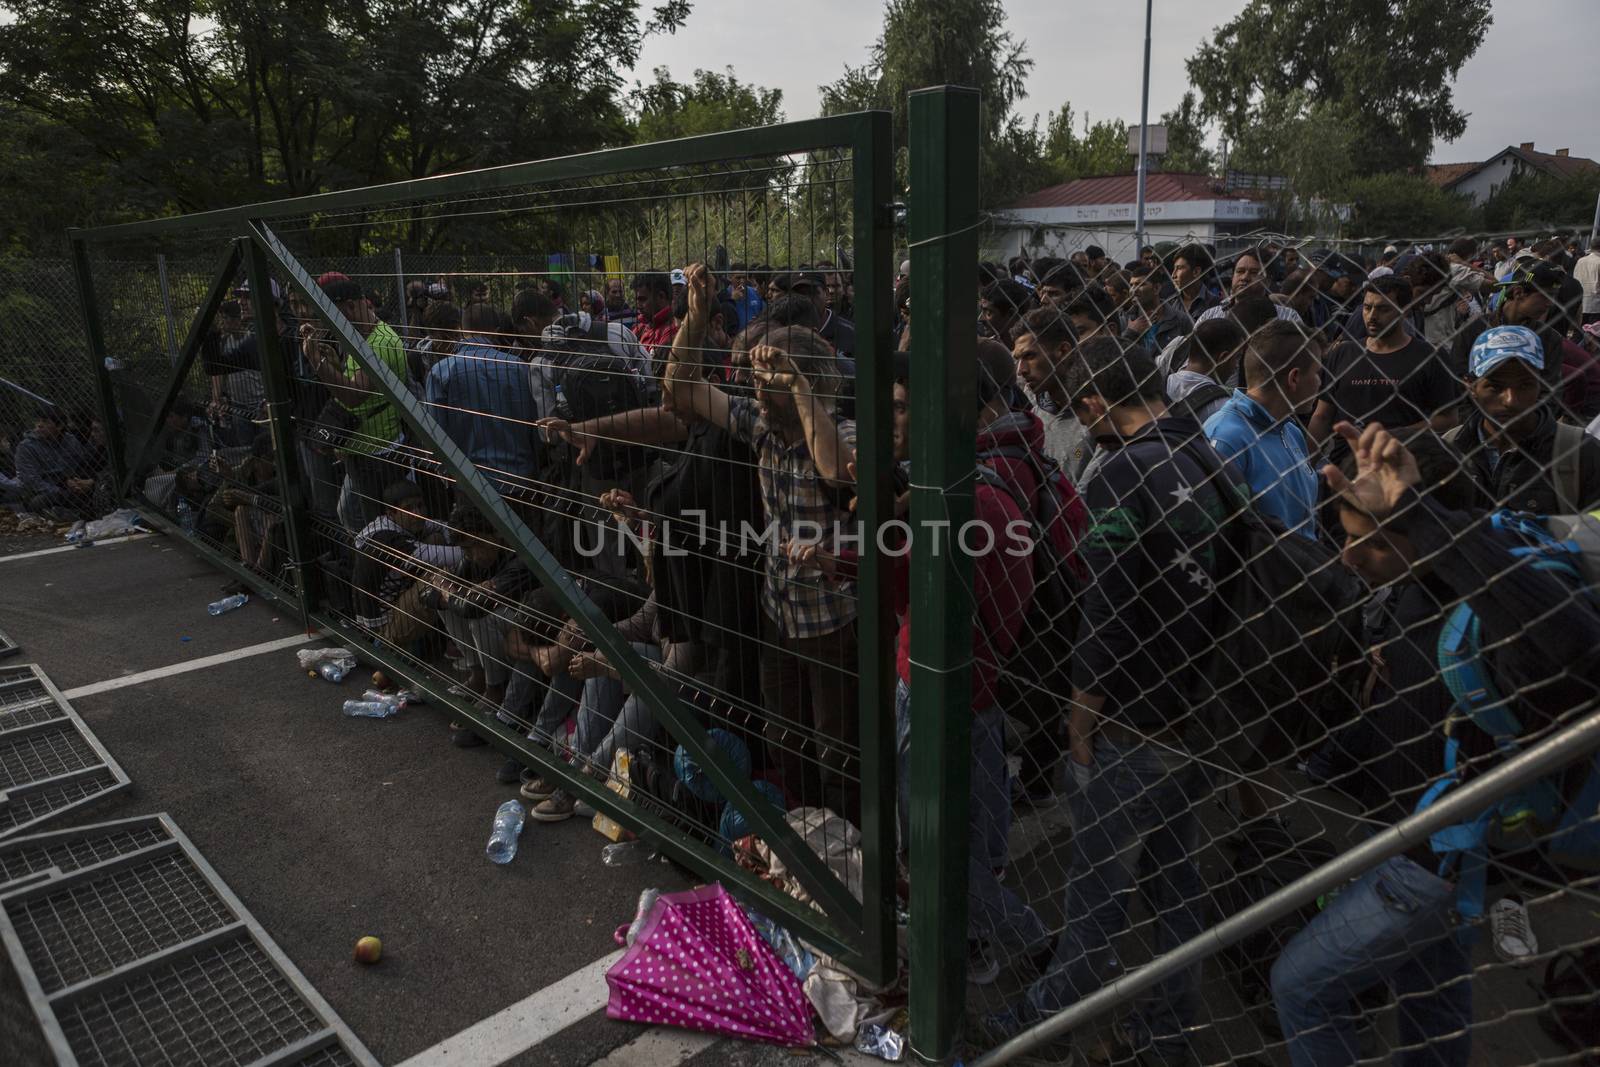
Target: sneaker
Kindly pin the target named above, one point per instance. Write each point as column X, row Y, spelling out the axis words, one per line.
column 510, row 772
column 1512, row 931
column 583, row 809
column 557, row 807
column 537, row 788
column 982, row 965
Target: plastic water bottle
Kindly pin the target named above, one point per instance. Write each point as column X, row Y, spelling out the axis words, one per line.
column 628, row 853
column 188, row 517
column 334, row 670
column 507, row 825
column 372, row 706
column 228, row 603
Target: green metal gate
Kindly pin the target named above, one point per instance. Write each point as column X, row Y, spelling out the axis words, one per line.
column 145, row 284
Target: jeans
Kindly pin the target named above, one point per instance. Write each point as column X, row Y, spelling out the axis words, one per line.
column 1395, row 924
column 608, row 716
column 994, row 911
column 365, row 479
column 483, row 642
column 1135, row 828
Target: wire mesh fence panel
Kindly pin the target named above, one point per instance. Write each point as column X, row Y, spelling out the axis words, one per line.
column 567, row 491
column 1317, row 555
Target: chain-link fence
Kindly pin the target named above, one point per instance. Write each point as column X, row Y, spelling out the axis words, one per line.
column 1322, row 562
column 44, row 370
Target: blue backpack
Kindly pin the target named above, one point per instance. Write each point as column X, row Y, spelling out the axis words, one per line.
column 1568, row 823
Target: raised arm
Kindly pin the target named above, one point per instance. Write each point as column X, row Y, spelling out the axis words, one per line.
column 684, row 388
column 641, row 426
column 830, row 451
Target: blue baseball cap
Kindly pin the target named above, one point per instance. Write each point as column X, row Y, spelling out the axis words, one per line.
column 1499, row 343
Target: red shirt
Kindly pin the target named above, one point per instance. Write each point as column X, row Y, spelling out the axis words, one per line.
column 657, row 332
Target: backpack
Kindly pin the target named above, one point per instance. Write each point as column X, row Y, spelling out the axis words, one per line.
column 1566, row 467
column 592, row 379
column 1034, row 682
column 1192, row 405
column 1562, row 808
column 1572, row 1012
column 1290, row 612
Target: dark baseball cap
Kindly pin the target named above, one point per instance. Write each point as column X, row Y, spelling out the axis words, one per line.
column 1546, row 277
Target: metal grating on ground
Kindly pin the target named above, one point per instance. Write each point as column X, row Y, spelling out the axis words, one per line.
column 49, row 760
column 8, row 647
column 133, row 951
column 64, row 851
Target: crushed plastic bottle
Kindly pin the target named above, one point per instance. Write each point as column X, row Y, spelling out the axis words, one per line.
column 628, row 853
column 308, row 658
column 334, row 670
column 647, row 901
column 77, row 533
column 508, row 819
column 375, row 705
column 228, row 603
column 878, row 1040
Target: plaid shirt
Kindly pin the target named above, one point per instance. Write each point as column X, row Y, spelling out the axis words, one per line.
column 792, row 492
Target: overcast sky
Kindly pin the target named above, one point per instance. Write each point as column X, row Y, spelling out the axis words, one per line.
column 1531, row 80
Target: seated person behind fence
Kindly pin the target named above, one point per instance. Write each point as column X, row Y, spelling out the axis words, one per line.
column 808, row 660
column 1511, row 441
column 482, row 399
column 1256, row 429
column 393, row 552
column 55, row 469
column 1202, row 382
column 1537, row 638
column 1148, row 608
column 238, row 511
column 373, row 423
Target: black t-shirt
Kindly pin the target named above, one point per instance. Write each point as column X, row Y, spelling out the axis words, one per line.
column 1397, row 389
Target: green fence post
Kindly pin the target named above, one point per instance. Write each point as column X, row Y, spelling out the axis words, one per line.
column 110, row 421
column 275, row 377
column 944, row 249
column 871, row 157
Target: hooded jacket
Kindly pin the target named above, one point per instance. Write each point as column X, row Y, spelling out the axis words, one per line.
column 43, row 465
column 1002, row 575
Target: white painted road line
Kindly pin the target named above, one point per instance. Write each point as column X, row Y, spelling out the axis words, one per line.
column 190, row 665
column 535, row 1018
column 73, row 548
column 659, row 1047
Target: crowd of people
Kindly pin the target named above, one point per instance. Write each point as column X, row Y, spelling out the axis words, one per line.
column 1131, row 419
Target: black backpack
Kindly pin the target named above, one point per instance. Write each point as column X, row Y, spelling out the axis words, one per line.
column 1192, row 405
column 1572, row 1011
column 1035, row 682
column 592, row 380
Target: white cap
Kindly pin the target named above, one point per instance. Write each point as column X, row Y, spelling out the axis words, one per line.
column 677, row 278
column 1390, row 250
column 905, row 268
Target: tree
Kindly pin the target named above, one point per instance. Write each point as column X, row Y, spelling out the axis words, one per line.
column 710, row 104
column 193, row 106
column 1403, row 205
column 938, row 42
column 1381, row 69
column 1186, row 140
column 1535, row 201
column 1102, row 148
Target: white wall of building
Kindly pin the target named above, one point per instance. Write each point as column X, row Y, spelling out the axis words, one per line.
column 1481, row 185
column 1060, row 231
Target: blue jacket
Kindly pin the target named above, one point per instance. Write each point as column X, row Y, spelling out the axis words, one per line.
column 1272, row 457
column 482, row 398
